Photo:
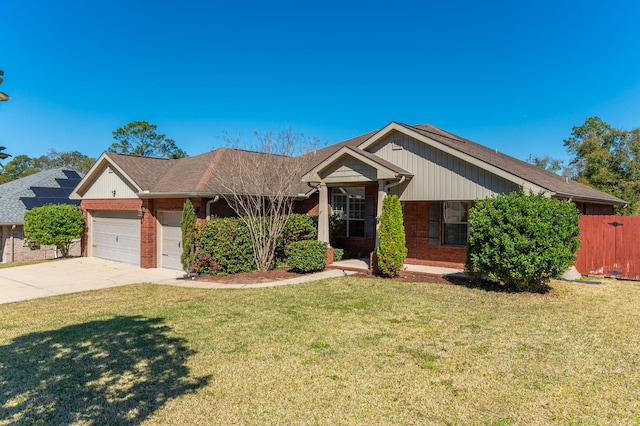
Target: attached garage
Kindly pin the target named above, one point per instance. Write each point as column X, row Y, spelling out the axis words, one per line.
column 170, row 240
column 115, row 235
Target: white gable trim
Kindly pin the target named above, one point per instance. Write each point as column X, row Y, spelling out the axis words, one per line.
column 95, row 172
column 314, row 174
column 527, row 185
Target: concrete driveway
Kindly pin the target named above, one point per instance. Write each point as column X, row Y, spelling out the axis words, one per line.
column 73, row 275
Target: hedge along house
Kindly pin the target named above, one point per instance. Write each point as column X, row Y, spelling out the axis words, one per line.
column 133, row 205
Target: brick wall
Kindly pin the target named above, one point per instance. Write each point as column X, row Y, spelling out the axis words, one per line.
column 309, row 206
column 595, row 209
column 21, row 250
column 419, row 251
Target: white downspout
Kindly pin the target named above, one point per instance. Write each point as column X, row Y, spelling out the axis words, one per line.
column 12, row 248
column 392, row 184
column 208, row 207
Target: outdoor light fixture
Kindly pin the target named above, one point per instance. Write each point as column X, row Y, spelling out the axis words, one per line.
column 141, row 211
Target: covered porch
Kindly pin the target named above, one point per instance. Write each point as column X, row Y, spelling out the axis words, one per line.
column 352, row 185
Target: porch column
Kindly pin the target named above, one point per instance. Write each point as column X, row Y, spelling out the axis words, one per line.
column 323, row 214
column 381, row 195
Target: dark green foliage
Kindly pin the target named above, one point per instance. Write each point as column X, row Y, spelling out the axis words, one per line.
column 606, row 158
column 338, row 254
column 392, row 250
column 299, row 227
column 189, row 237
column 54, row 224
column 225, row 242
column 337, row 227
column 140, row 138
column 520, row 239
column 307, row 256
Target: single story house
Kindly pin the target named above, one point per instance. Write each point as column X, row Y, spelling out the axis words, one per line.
column 133, row 205
column 17, row 197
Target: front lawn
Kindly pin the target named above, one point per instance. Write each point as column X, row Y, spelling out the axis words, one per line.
column 339, row 351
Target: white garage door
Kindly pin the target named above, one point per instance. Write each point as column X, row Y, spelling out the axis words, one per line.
column 116, row 236
column 171, row 240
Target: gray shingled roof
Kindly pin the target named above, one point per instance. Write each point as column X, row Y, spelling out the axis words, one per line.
column 47, row 187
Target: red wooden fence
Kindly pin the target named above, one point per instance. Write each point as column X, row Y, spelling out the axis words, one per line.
column 610, row 246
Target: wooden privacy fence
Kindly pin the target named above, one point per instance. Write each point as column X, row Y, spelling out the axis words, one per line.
column 610, row 246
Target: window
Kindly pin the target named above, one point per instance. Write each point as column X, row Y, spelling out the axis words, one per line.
column 349, row 204
column 455, row 229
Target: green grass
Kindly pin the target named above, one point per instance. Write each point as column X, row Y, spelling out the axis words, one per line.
column 340, row 351
column 4, row 265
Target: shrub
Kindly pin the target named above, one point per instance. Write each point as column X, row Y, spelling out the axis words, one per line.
column 205, row 264
column 189, row 236
column 56, row 224
column 227, row 242
column 337, row 227
column 307, row 256
column 299, row 227
column 520, row 239
column 392, row 250
column 338, row 254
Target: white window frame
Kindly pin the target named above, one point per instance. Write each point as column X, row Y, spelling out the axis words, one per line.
column 347, row 214
column 455, row 213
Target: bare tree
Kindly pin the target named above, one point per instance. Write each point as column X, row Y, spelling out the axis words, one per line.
column 261, row 185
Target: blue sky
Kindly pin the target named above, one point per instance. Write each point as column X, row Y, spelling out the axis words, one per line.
column 511, row 75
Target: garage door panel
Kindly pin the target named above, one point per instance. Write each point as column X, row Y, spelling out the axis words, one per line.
column 171, row 240
column 116, row 236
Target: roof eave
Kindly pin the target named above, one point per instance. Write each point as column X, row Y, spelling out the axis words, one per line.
column 313, row 175
column 596, row 200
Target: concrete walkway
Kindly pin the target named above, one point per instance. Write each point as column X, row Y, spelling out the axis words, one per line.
column 327, row 273
column 89, row 273
column 363, row 265
column 73, row 275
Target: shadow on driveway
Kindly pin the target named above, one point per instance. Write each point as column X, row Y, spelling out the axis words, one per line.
column 115, row 371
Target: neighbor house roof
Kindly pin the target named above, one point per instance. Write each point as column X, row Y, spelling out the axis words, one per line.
column 47, row 187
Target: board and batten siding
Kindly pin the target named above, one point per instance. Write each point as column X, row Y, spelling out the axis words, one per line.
column 349, row 170
column 105, row 185
column 437, row 175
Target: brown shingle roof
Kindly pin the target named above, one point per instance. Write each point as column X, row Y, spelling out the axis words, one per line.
column 529, row 172
column 202, row 174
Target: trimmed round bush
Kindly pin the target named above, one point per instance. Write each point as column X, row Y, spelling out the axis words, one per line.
column 521, row 239
column 307, row 256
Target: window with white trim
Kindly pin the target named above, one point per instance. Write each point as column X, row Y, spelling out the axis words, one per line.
column 349, row 205
column 455, row 223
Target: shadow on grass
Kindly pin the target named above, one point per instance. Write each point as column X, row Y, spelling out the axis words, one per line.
column 487, row 285
column 115, row 371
